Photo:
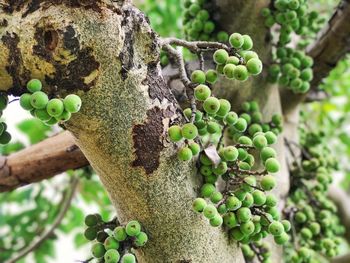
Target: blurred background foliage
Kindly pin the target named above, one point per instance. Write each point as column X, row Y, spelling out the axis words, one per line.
column 28, row 211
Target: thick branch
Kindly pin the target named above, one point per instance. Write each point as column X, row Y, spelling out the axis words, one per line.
column 332, row 45
column 41, row 161
column 65, row 204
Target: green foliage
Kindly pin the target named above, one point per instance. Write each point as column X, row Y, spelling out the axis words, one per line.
column 165, row 16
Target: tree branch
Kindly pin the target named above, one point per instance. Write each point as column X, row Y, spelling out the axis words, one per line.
column 65, row 204
column 332, row 45
column 41, row 161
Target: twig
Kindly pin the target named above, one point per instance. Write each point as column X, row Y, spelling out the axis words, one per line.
column 195, row 46
column 201, row 61
column 177, row 55
column 67, row 200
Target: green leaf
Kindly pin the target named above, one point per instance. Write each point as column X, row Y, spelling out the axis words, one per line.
column 35, row 129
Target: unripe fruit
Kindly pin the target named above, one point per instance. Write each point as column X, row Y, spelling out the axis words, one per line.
column 111, row 256
column 231, row 118
column 210, row 211
column 133, row 228
column 315, row 228
column 24, row 101
column 98, row 250
column 271, row 200
column 272, row 165
column 3, row 101
column 51, row 121
column 233, row 203
column 213, row 127
column 247, row 228
column 128, row 258
column 225, row 107
column 216, row 221
column 207, row 190
column 141, row 239
column 185, row 154
column 72, row 103
column 248, row 200
column 211, row 105
column 34, row 85
column 247, row 55
column 266, row 153
column 259, row 198
column 220, row 56
column 241, row 73
column 39, row 100
column 216, row 197
column 230, row 220
column 119, row 233
column 281, row 239
column 244, row 214
column 211, row 76
column 233, row 60
column 229, row 70
column 42, row 115
column 91, row 220
column 247, row 42
column 111, row 243
column 260, row 141
column 237, row 234
column 202, row 92
column 101, row 236
column 195, row 148
column 90, row 233
column 286, row 225
column 209, row 27
column 230, row 153
column 306, row 74
column 268, row 182
column 55, row 107
column 300, row 217
column 222, row 36
column 276, row 228
column 236, row 40
column 189, row 131
column 254, row 66
column 270, row 137
column 199, row 204
column 65, row 116
column 203, row 15
column 241, row 125
column 245, row 140
column 198, row 76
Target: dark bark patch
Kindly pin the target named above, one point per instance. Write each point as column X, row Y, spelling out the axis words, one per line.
column 147, row 139
column 127, row 55
column 14, row 63
column 68, row 77
column 157, row 86
column 3, row 23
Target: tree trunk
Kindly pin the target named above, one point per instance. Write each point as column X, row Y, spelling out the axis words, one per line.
column 109, row 56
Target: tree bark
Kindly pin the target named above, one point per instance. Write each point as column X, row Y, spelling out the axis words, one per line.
column 109, row 56
column 41, row 161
